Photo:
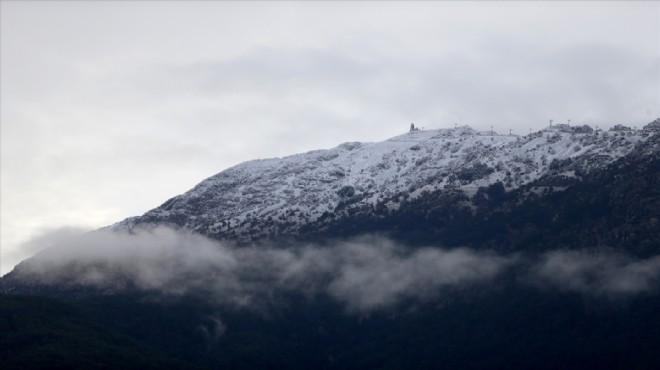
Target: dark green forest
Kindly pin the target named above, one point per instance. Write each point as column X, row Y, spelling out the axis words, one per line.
column 500, row 328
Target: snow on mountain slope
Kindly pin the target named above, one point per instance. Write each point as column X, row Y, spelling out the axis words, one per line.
column 265, row 196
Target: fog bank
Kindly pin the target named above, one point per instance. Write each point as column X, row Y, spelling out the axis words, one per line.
column 363, row 274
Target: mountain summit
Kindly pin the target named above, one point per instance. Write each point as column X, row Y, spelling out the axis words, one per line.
column 284, row 196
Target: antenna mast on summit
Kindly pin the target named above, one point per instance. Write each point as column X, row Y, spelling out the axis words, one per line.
column 551, row 123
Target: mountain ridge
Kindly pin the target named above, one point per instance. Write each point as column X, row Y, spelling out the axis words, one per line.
column 270, row 198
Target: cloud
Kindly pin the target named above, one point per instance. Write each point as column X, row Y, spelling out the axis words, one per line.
column 363, row 274
column 44, row 240
column 381, row 275
column 212, row 329
column 598, row 274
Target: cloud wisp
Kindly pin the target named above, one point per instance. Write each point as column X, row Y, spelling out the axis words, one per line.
column 610, row 275
column 363, row 274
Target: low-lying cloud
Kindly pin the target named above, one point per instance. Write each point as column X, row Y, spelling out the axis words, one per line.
column 598, row 274
column 372, row 275
column 363, row 274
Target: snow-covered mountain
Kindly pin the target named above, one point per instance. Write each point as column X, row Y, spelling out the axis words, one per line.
column 278, row 196
column 432, row 237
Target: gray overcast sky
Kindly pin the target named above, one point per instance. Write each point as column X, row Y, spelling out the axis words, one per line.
column 110, row 108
